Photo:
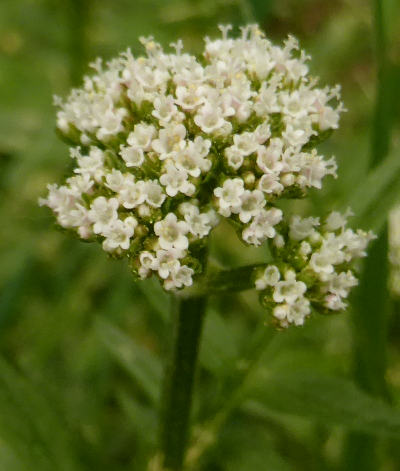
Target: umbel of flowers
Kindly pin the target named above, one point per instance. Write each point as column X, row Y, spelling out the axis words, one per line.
column 312, row 268
column 166, row 145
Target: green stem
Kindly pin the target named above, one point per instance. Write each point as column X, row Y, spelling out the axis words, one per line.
column 179, row 381
column 223, row 281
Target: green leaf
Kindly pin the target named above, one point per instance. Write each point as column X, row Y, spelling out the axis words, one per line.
column 143, row 418
column 9, row 460
column 33, row 433
column 245, row 445
column 156, row 297
column 142, row 365
column 143, row 422
column 327, row 400
column 259, row 458
column 219, row 350
column 255, row 453
column 373, row 198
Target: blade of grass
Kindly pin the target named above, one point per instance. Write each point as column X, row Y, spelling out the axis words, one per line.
column 142, row 365
column 31, row 426
column 326, row 399
column 375, row 195
column 370, row 307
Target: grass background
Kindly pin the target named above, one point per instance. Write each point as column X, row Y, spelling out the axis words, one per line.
column 82, row 346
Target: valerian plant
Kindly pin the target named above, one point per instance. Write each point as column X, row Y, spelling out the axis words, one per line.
column 167, row 145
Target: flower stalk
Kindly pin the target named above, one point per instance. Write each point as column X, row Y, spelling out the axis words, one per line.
column 177, row 401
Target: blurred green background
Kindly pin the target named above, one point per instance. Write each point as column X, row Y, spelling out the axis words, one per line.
column 82, row 346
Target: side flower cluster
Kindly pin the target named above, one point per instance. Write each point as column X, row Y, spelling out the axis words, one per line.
column 313, row 268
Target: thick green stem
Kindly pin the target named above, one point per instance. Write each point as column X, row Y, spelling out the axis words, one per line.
column 179, row 381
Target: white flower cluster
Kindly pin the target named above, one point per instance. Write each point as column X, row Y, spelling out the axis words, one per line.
column 313, row 267
column 394, row 251
column 166, row 144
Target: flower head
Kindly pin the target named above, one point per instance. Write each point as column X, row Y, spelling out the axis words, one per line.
column 166, row 145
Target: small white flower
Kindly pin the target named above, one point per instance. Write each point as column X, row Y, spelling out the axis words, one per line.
column 110, row 122
column 341, row 283
column 305, row 248
column 167, row 262
column 297, row 132
column 270, row 277
column 200, row 224
column 337, row 220
column 301, row 228
column 290, row 289
column 202, row 146
column 297, row 104
column 153, row 193
column 176, row 180
column 188, row 98
column 92, row 164
column 147, row 262
column 59, row 199
column 76, row 216
column 251, row 204
column 294, row 313
column 234, row 157
column 119, row 233
column 315, row 168
column 102, row 213
column 269, row 158
column 192, row 158
column 165, row 110
column 279, row 241
column 262, row 132
column 321, row 261
column 183, row 276
column 229, row 196
column 116, row 180
column 80, row 184
column 170, row 140
column 142, row 136
column 210, row 118
column 267, row 100
column 334, row 302
column 245, row 143
column 262, row 226
column 132, row 194
column 172, row 233
column 269, row 183
column 133, row 156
